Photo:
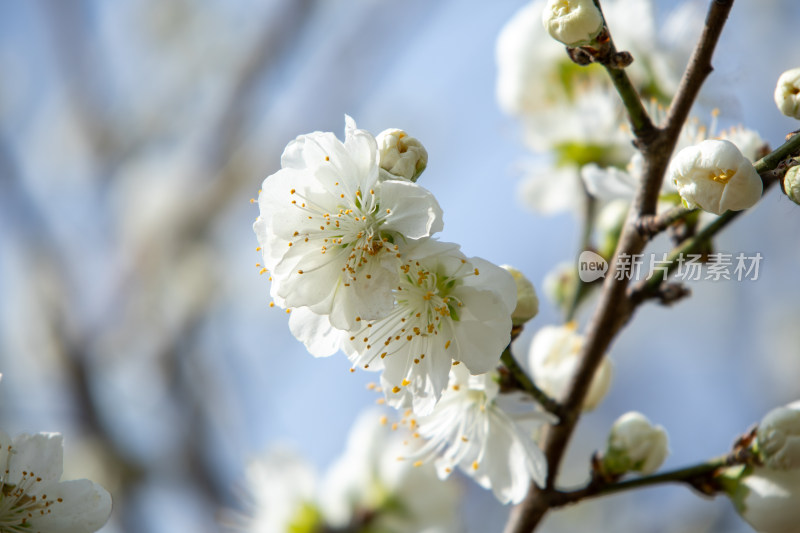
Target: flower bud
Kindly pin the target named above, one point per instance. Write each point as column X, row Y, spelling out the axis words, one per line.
column 791, row 184
column 766, row 499
column 716, row 177
column 553, row 358
column 634, row 444
column 527, row 301
column 572, row 22
column 560, row 283
column 787, row 93
column 401, row 155
column 779, row 438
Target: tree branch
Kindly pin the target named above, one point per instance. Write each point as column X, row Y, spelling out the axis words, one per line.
column 614, row 308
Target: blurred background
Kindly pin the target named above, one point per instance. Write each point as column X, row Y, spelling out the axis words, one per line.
column 134, row 133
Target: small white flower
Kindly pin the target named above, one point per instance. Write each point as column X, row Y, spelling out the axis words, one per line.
column 791, row 184
column 769, row 500
column 470, row 429
column 281, row 488
column 401, row 155
column 368, row 480
column 715, row 176
column 330, row 229
column 553, row 359
column 33, row 499
column 572, row 22
column 787, row 93
column 634, row 444
column 779, row 437
column 527, row 301
column 448, row 308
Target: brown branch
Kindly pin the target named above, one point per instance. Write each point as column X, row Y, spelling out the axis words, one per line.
column 649, row 226
column 614, row 308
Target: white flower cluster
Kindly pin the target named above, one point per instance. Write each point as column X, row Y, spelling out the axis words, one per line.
column 346, row 235
column 573, row 111
column 366, row 489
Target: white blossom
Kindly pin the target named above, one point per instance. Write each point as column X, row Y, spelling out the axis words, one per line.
column 611, row 183
column 779, row 437
column 369, row 480
column 634, row 444
column 471, row 428
column 281, row 488
column 33, row 499
column 330, row 229
column 553, row 358
column 769, row 500
column 401, row 155
column 572, row 22
column 448, row 308
column 715, row 176
column 527, row 301
column 787, row 93
column 791, row 184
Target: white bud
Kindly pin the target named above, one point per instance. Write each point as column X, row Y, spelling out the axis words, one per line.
column 779, row 437
column 634, row 444
column 553, row 358
column 527, row 301
column 787, row 93
column 572, row 22
column 769, row 500
column 791, row 184
column 715, row 176
column 401, row 155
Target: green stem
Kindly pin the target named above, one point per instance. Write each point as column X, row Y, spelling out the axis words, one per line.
column 582, row 288
column 640, row 120
column 548, row 403
column 774, row 158
column 689, row 475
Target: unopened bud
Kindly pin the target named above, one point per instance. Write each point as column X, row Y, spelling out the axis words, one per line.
column 527, row 301
column 716, row 177
column 634, row 444
column 787, row 93
column 766, row 499
column 779, row 438
column 572, row 22
column 791, row 184
column 401, row 155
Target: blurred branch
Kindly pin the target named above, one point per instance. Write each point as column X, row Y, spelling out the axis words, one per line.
column 83, row 70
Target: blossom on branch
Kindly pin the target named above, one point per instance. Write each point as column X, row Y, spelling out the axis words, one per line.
column 487, row 435
column 716, row 177
column 779, row 437
column 572, row 22
column 634, row 444
column 331, row 229
column 553, row 359
column 448, row 308
column 787, row 93
column 33, row 499
column 791, row 184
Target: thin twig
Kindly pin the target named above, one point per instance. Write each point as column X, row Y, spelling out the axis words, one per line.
column 548, row 403
column 651, row 225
